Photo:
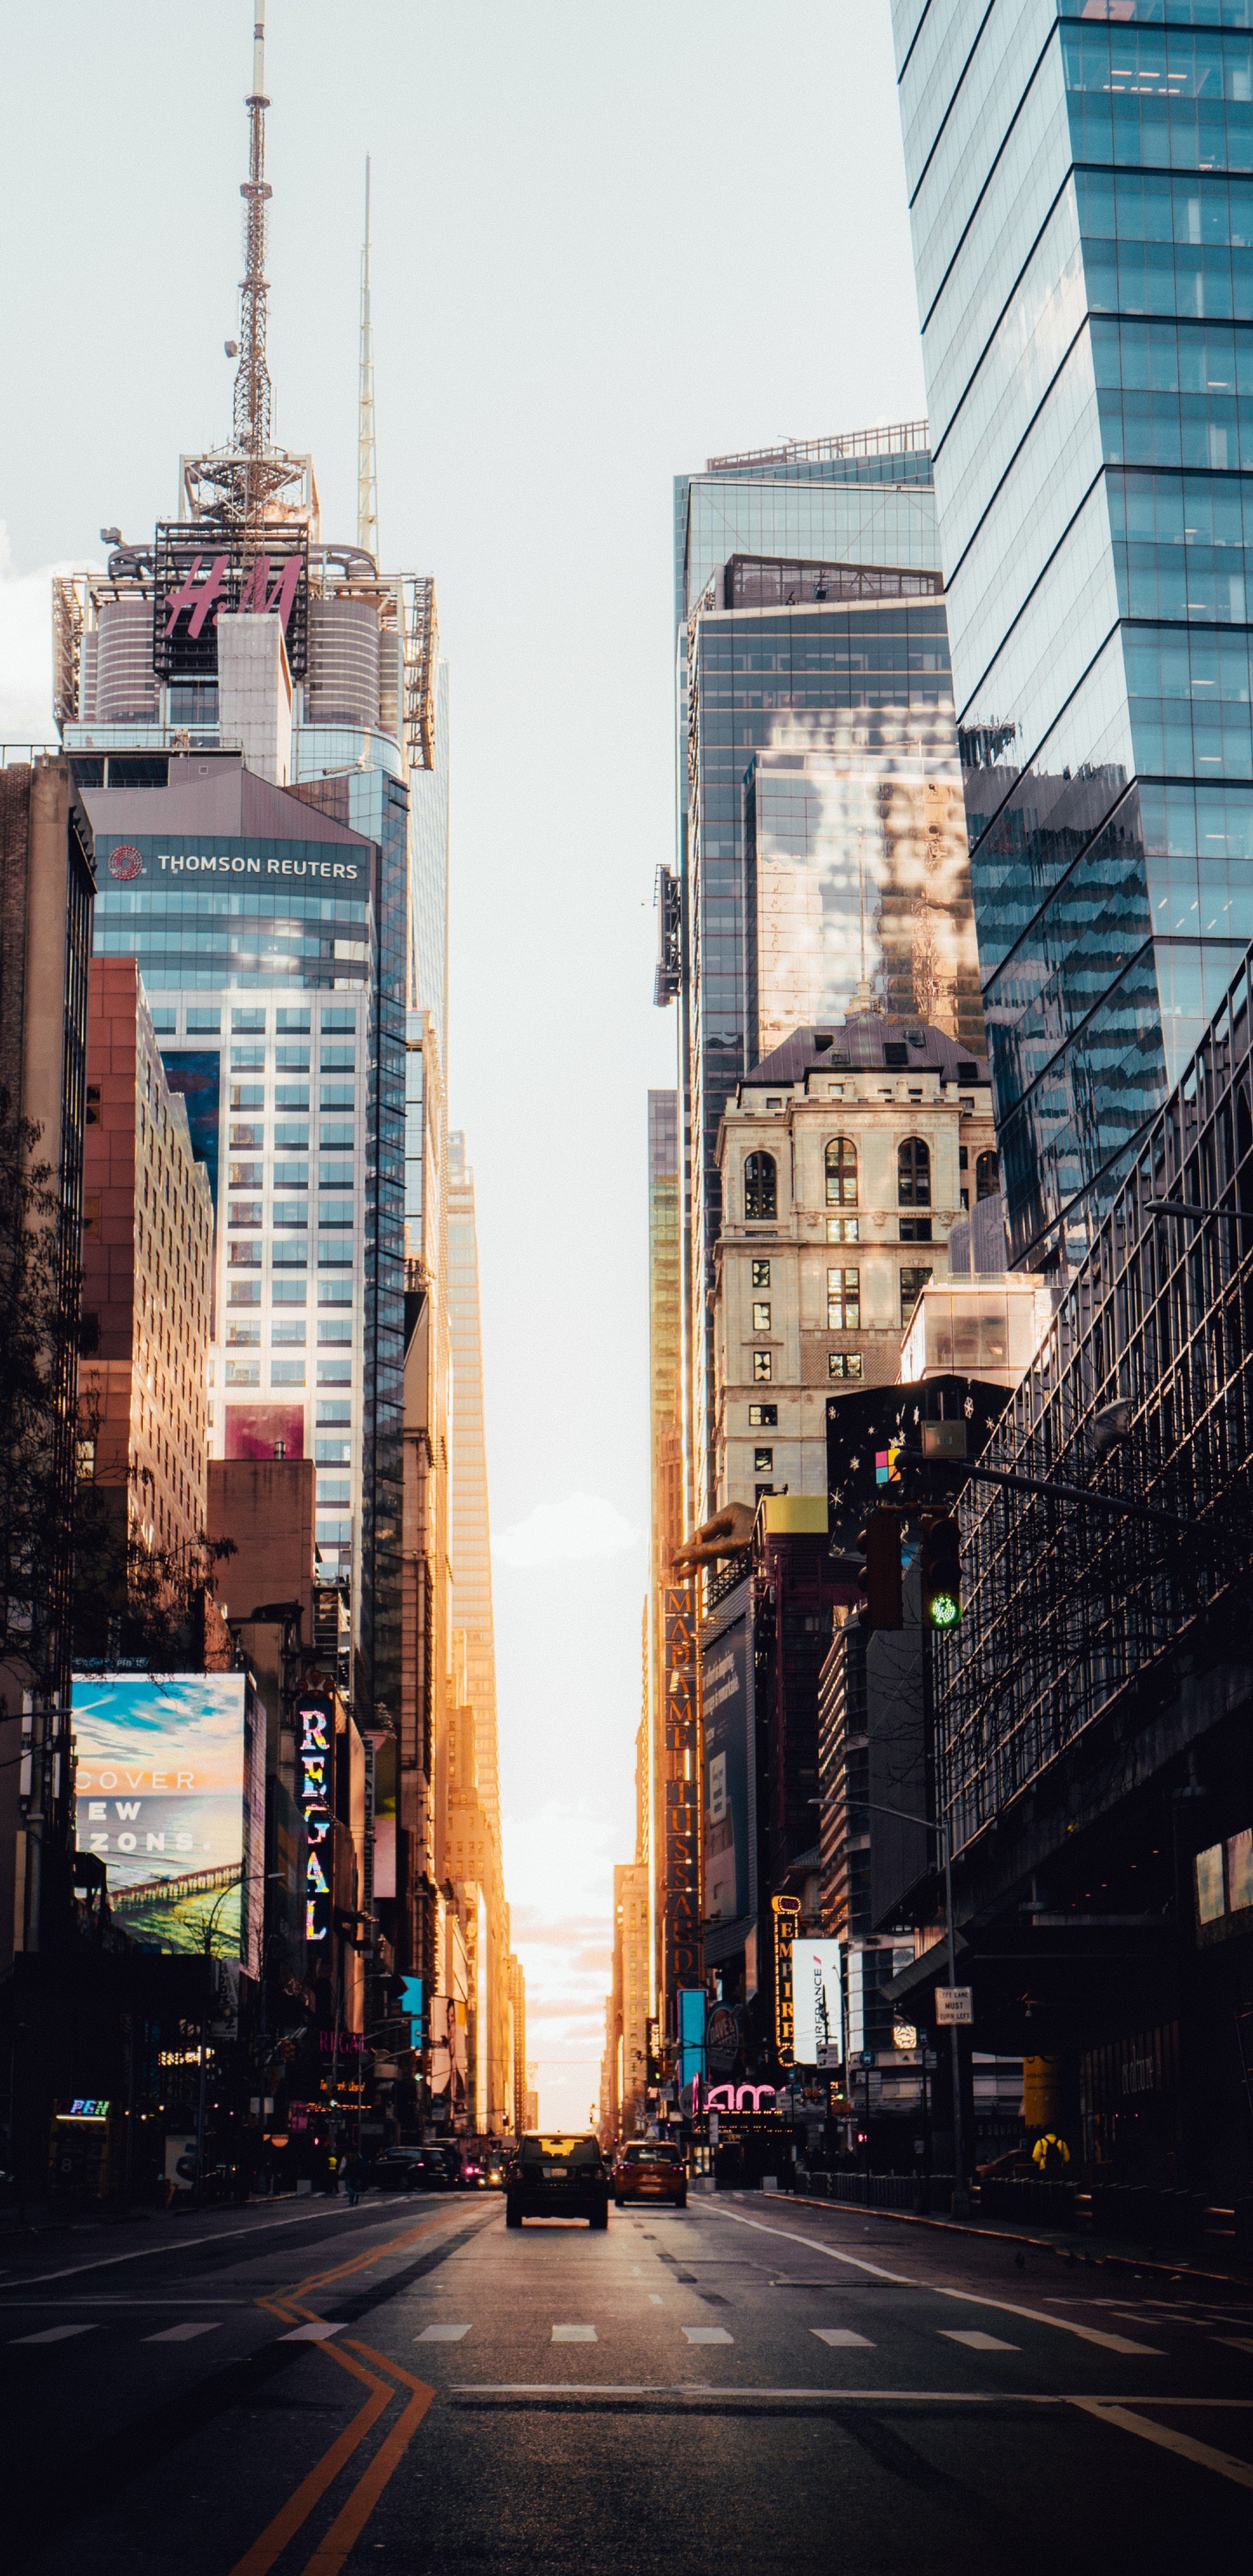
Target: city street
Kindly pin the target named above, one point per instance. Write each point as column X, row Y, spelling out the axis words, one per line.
column 754, row 2384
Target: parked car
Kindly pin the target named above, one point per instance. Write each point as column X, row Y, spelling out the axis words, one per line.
column 650, row 2169
column 412, row 2169
column 558, row 2177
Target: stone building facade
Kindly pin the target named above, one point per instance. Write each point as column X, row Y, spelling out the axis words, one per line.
column 147, row 1271
column 845, row 1158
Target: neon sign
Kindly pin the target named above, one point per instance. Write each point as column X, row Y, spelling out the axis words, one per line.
column 733, row 2097
column 316, row 1720
column 194, row 588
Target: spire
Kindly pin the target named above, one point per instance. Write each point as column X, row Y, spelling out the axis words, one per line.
column 367, row 456
column 252, row 382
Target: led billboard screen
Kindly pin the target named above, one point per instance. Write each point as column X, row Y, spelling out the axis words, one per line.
column 170, row 1789
column 817, row 2003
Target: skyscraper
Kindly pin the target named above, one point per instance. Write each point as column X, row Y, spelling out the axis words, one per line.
column 258, row 718
column 1081, row 193
column 821, row 859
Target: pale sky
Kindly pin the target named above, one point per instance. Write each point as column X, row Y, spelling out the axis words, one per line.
column 609, row 242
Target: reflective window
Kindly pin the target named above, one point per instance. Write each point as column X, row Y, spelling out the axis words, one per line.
column 913, row 1172
column 761, row 1188
column 841, row 1170
column 987, row 1175
column 843, row 1301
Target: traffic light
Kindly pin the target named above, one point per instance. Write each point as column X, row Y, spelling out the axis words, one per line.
column 883, row 1570
column 941, row 1571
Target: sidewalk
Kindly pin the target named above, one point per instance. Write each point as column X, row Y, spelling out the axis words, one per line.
column 1068, row 2245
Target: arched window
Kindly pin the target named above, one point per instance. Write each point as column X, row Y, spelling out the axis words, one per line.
column 761, row 1188
column 841, row 1172
column 913, row 1173
column 987, row 1175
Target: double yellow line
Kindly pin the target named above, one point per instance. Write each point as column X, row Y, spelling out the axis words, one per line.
column 328, row 2558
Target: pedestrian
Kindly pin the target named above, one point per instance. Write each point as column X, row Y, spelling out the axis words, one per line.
column 352, row 2177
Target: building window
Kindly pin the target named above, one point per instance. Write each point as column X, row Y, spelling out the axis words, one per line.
column 761, row 1274
column 912, row 1284
column 243, row 1372
column 843, row 1301
column 987, row 1175
column 763, row 1368
column 763, row 1417
column 843, row 1229
column 760, row 1490
column 287, row 1372
column 913, row 1173
column 763, row 1462
column 761, row 1315
column 841, row 1160
column 844, row 1364
column 247, row 1333
column 761, row 1186
column 915, row 1229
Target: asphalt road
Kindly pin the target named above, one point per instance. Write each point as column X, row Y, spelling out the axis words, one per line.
column 753, row 2385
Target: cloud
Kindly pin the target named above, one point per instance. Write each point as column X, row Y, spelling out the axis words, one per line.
column 565, row 1533
column 26, row 648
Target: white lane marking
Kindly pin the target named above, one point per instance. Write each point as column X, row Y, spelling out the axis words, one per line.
column 1040, row 2317
column 186, row 2244
column 54, row 2334
column 185, row 2333
column 708, row 2334
column 316, row 2331
column 977, row 2342
column 1037, row 2316
column 1234, row 2343
column 841, row 2337
column 1202, row 2454
column 655, row 2299
column 688, row 2388
column 441, row 2334
column 574, row 2334
column 814, row 2245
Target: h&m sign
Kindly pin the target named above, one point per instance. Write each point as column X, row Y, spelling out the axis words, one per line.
column 203, row 572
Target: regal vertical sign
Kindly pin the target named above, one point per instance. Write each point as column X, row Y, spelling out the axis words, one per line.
column 681, row 1914
column 315, row 1718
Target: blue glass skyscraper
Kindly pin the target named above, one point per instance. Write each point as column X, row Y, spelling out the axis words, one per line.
column 820, row 824
column 1081, row 194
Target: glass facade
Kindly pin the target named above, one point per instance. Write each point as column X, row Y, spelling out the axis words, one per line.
column 274, row 960
column 820, row 835
column 1081, row 191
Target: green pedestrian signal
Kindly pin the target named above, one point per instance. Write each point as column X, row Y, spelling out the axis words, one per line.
column 941, row 1571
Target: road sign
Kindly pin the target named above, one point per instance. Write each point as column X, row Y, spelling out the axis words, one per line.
column 954, row 2004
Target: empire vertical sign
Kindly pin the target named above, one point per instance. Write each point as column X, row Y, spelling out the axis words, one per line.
column 785, row 1911
column 681, row 1934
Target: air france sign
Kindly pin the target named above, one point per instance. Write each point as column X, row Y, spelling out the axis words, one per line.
column 126, row 863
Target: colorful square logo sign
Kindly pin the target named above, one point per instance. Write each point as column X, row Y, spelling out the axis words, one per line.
column 886, row 1471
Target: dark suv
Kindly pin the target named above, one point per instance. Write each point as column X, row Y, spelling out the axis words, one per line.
column 558, row 2177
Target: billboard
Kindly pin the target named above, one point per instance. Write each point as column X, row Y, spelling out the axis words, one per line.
column 727, row 1707
column 817, row 2003
column 170, row 1791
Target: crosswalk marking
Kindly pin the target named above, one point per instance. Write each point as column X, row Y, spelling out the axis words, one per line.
column 316, row 2332
column 441, row 2334
column 54, row 2334
column 183, row 2334
column 842, row 2336
column 977, row 2342
column 708, row 2334
column 574, row 2334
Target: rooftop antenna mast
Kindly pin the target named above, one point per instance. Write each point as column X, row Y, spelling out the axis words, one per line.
column 252, row 381
column 367, row 453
